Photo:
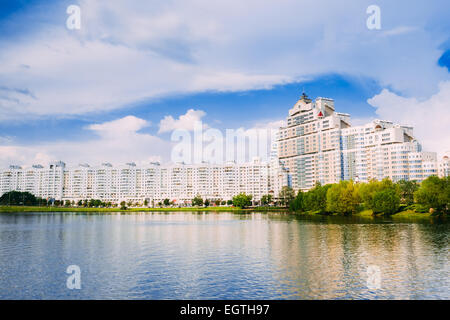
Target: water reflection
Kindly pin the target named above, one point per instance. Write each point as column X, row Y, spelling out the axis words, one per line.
column 209, row 255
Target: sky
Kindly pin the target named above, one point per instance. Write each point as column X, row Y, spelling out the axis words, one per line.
column 114, row 89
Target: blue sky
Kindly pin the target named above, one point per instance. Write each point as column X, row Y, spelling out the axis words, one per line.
column 132, row 64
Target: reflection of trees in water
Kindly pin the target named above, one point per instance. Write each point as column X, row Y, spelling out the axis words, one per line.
column 330, row 260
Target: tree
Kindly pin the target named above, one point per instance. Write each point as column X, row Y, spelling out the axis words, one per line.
column 367, row 191
column 217, row 202
column 229, row 202
column 266, row 199
column 316, row 198
column 145, row 203
column 298, row 204
column 386, row 201
column 223, row 202
column 18, row 198
column 286, row 195
column 434, row 193
column 242, row 200
column 207, row 203
column 407, row 189
column 67, row 203
column 166, row 202
column 123, row 205
column 343, row 198
column 197, row 201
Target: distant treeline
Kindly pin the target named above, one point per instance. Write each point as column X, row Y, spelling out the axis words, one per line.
column 347, row 197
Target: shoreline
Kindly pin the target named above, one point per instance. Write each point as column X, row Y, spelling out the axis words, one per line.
column 407, row 214
column 12, row 209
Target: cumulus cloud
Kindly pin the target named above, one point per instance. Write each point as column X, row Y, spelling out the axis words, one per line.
column 430, row 117
column 119, row 127
column 117, row 141
column 129, row 51
column 184, row 122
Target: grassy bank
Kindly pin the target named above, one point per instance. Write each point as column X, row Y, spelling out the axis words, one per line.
column 406, row 214
column 83, row 209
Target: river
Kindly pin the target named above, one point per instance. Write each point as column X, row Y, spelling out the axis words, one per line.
column 207, row 255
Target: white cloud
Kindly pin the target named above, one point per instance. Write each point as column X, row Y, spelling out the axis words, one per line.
column 399, row 30
column 430, row 118
column 131, row 51
column 184, row 122
column 120, row 127
column 117, row 141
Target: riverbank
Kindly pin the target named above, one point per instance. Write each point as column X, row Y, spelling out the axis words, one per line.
column 407, row 214
column 9, row 209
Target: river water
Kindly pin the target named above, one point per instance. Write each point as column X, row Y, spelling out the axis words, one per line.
column 211, row 255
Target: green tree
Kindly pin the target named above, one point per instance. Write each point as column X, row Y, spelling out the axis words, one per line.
column 386, row 201
column 434, row 193
column 166, row 202
column 68, row 203
column 197, row 201
column 123, row 205
column 298, row 204
column 145, row 203
column 16, row 198
column 80, row 203
column 207, row 203
column 242, row 200
column 407, row 189
column 316, row 198
column 343, row 198
column 266, row 199
column 286, row 195
column 229, row 202
column 367, row 191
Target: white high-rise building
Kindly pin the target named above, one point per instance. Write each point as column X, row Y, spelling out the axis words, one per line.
column 320, row 145
column 153, row 182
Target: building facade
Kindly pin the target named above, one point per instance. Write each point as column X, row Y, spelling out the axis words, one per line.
column 153, row 182
column 319, row 144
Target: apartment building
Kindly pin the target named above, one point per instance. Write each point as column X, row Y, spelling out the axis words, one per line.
column 319, row 144
column 153, row 182
column 444, row 166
